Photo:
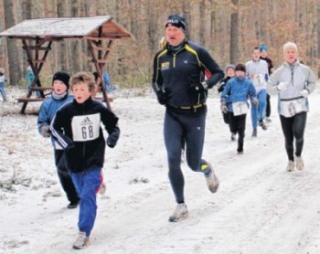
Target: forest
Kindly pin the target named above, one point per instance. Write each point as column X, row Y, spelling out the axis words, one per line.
column 228, row 29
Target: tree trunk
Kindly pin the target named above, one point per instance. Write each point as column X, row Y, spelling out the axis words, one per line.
column 75, row 58
column 13, row 57
column 234, row 51
column 26, row 14
column 62, row 53
column 202, row 27
column 186, row 15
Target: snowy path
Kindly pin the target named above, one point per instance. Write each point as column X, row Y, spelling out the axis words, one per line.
column 259, row 208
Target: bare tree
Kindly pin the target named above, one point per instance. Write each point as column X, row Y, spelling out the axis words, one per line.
column 202, row 26
column 234, row 51
column 13, row 57
column 62, row 55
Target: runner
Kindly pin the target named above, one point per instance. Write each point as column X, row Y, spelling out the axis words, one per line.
column 292, row 82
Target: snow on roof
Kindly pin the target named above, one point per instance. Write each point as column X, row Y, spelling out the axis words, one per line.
column 68, row 27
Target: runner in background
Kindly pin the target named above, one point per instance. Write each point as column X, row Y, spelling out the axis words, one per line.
column 264, row 56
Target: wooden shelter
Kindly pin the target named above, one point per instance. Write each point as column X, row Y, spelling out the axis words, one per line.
column 37, row 35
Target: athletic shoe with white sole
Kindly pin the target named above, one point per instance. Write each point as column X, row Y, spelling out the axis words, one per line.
column 290, row 166
column 180, row 213
column 102, row 189
column 81, row 242
column 299, row 163
column 212, row 181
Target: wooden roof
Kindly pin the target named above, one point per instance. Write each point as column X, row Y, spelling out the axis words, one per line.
column 60, row 28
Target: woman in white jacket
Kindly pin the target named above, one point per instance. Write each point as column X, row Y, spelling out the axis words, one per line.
column 293, row 82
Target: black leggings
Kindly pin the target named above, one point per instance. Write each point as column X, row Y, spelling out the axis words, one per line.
column 238, row 125
column 182, row 130
column 65, row 178
column 293, row 128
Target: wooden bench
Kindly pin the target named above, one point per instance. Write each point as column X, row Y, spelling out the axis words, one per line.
column 41, row 88
column 24, row 99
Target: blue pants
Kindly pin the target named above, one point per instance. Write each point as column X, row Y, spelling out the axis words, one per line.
column 87, row 184
column 2, row 91
column 180, row 130
column 258, row 112
column 293, row 129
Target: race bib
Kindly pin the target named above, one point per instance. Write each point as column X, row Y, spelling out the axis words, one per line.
column 290, row 108
column 239, row 108
column 258, row 80
column 85, row 128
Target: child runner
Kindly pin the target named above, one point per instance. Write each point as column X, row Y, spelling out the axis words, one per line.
column 48, row 109
column 234, row 102
column 230, row 74
column 76, row 127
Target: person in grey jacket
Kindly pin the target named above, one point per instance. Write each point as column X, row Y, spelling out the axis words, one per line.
column 257, row 72
column 293, row 82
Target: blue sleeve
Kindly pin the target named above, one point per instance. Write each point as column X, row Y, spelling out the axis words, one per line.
column 106, row 79
column 225, row 92
column 252, row 91
column 43, row 118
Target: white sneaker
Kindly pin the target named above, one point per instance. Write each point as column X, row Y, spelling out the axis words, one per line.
column 81, row 242
column 268, row 120
column 102, row 189
column 180, row 213
column 299, row 163
column 212, row 181
column 290, row 166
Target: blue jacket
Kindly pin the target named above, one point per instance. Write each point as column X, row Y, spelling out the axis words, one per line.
column 48, row 109
column 237, row 89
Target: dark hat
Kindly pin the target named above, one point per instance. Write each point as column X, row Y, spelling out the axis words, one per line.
column 176, row 20
column 263, row 47
column 62, row 76
column 240, row 67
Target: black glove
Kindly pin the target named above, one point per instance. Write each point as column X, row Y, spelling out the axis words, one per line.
column 162, row 97
column 45, row 131
column 111, row 142
column 198, row 87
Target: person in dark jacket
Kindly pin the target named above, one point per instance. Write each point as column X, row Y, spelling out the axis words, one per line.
column 48, row 109
column 178, row 80
column 76, row 126
column 229, row 74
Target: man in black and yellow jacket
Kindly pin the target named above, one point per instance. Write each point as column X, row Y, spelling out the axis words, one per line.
column 182, row 74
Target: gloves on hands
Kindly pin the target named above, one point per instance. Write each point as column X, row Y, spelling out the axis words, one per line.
column 224, row 108
column 111, row 142
column 162, row 97
column 45, row 131
column 304, row 93
column 255, row 101
column 282, row 86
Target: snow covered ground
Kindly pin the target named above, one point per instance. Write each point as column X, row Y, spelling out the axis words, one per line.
column 259, row 208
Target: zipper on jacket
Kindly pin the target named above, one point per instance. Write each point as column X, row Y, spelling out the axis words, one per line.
column 292, row 74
